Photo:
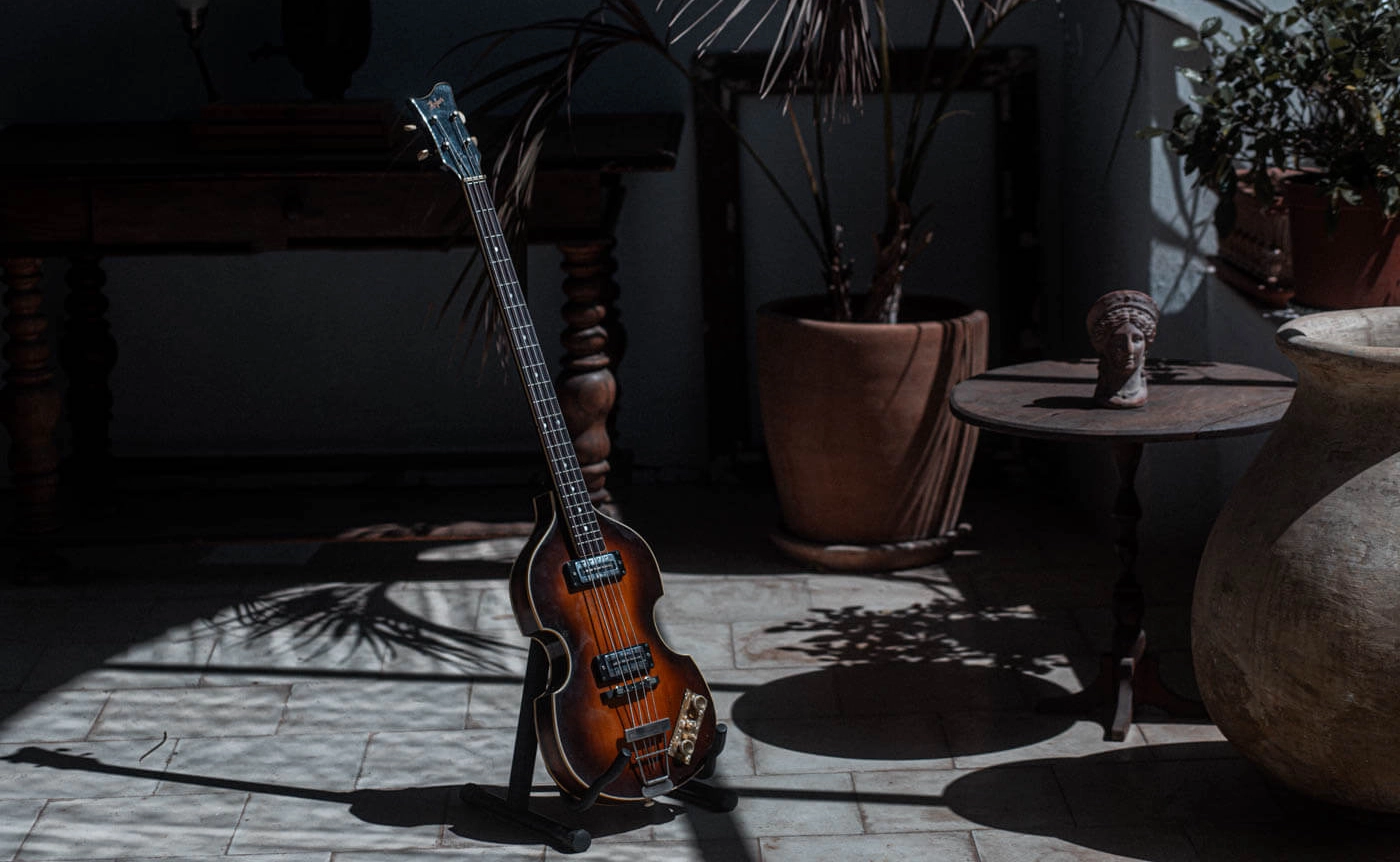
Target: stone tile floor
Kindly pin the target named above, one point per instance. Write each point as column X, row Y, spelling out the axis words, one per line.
column 302, row 700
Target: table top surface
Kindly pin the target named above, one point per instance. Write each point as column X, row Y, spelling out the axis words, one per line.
column 1186, row 400
column 250, row 178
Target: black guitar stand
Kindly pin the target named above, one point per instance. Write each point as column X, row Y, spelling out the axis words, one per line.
column 515, row 806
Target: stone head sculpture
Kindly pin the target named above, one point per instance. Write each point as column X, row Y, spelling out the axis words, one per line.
column 1122, row 325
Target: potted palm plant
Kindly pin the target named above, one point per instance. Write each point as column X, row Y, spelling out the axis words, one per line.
column 1303, row 108
column 853, row 378
column 869, row 465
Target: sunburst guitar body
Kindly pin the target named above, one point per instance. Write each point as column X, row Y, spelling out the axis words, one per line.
column 598, row 693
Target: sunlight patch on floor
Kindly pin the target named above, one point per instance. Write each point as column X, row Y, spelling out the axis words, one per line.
column 502, row 550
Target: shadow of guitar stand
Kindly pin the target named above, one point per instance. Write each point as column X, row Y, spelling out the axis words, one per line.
column 572, row 839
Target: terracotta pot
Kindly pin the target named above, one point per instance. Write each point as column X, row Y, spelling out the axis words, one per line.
column 869, row 464
column 1356, row 265
column 1296, row 616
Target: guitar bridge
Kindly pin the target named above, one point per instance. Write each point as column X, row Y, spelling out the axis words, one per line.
column 634, row 690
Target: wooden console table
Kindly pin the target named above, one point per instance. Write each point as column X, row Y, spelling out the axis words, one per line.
column 1186, row 401
column 89, row 191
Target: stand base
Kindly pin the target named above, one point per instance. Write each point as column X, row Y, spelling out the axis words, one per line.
column 515, row 806
column 717, row 799
column 565, row 839
column 1124, row 683
column 576, row 839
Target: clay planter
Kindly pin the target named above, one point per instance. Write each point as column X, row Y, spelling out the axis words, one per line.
column 869, row 464
column 1296, row 617
column 1357, row 265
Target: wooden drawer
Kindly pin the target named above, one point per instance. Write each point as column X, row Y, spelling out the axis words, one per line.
column 189, row 212
column 49, row 211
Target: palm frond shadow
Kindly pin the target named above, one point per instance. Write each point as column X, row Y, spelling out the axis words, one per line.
column 364, row 616
column 920, row 633
column 904, row 671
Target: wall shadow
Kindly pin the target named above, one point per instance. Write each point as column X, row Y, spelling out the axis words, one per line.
column 1220, row 804
column 398, row 807
column 814, row 712
column 1179, row 800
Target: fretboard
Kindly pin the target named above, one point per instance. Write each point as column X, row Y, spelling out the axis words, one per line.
column 554, row 435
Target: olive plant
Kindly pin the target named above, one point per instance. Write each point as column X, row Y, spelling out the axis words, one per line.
column 1312, row 91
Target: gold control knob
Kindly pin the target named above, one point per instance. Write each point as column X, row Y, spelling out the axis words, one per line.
column 688, row 721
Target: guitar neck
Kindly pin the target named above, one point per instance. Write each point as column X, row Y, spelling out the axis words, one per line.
column 569, row 484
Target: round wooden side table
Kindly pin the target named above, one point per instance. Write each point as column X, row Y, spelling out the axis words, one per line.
column 1053, row 400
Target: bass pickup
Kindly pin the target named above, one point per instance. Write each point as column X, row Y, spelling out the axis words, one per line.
column 623, row 664
column 594, row 571
column 630, row 690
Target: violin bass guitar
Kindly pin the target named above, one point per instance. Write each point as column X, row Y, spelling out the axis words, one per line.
column 623, row 717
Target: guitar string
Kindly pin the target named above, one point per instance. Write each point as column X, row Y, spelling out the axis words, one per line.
column 586, row 535
column 558, row 443
column 586, row 523
column 482, row 206
column 501, row 271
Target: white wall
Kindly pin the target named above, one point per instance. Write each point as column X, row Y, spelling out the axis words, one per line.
column 1141, row 226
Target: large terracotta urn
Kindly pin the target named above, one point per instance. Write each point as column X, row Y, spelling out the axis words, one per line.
column 1296, row 617
column 869, row 464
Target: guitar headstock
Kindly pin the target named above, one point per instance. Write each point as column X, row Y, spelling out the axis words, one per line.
column 448, row 128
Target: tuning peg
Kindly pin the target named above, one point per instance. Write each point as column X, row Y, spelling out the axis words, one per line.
column 423, row 154
column 410, row 127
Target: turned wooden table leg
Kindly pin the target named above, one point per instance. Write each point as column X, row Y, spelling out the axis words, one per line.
column 88, row 354
column 30, row 403
column 1139, row 673
column 1129, row 606
column 1118, row 668
column 1128, row 675
column 586, row 385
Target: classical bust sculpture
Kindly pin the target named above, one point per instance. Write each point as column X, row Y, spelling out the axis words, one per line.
column 1122, row 325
